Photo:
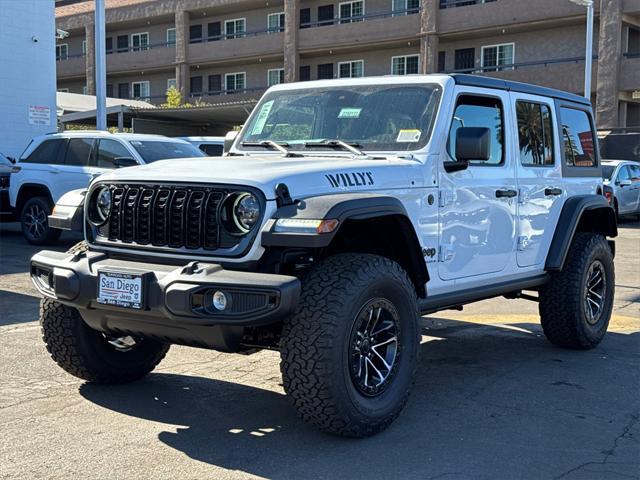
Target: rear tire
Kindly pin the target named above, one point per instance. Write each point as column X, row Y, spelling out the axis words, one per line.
column 35, row 224
column 332, row 355
column 89, row 354
column 575, row 305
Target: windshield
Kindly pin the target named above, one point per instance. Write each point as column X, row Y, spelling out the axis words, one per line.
column 371, row 117
column 607, row 171
column 153, row 151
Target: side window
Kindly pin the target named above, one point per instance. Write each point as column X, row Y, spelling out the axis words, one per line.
column 485, row 112
column 535, row 134
column 46, row 152
column 577, row 136
column 78, row 152
column 108, row 151
column 635, row 173
column 212, row 150
column 623, row 174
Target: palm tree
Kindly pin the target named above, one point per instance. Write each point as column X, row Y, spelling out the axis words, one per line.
column 530, row 131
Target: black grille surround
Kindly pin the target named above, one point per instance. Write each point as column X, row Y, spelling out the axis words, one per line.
column 183, row 219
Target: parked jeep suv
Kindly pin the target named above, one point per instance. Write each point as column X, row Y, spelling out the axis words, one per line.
column 57, row 163
column 344, row 210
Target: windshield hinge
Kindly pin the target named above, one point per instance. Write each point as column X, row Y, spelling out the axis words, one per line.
column 283, row 197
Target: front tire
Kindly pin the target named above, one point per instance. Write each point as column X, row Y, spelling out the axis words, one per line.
column 575, row 305
column 349, row 353
column 35, row 222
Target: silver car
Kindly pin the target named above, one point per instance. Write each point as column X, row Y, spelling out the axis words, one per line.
column 624, row 179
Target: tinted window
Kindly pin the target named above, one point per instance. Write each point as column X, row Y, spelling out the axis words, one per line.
column 78, row 151
column 635, row 173
column 153, row 151
column 480, row 112
column 212, row 150
column 535, row 134
column 623, row 174
column 46, row 152
column 108, row 150
column 607, row 171
column 577, row 137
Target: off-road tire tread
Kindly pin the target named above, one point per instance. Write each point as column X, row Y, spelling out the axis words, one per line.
column 307, row 339
column 61, row 326
column 558, row 297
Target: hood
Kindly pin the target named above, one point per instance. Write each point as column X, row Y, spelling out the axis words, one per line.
column 305, row 176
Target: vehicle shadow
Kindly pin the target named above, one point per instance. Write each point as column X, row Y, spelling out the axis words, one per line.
column 24, row 308
column 489, row 402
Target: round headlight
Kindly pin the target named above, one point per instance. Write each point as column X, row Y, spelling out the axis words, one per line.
column 100, row 206
column 246, row 211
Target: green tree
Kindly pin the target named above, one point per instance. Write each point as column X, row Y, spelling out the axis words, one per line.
column 174, row 98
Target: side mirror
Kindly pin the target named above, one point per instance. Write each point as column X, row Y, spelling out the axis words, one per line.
column 122, row 162
column 229, row 138
column 472, row 143
column 11, row 159
column 625, row 183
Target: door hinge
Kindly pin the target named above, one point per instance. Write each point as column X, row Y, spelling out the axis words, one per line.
column 523, row 243
column 445, row 252
column 446, row 197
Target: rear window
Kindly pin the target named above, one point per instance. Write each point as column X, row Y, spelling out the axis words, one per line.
column 607, row 171
column 154, row 151
column 578, row 140
column 46, row 152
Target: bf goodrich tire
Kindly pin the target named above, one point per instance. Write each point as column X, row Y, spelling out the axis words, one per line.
column 90, row 355
column 35, row 223
column 575, row 305
column 350, row 351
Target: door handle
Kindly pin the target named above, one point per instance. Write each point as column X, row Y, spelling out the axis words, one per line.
column 549, row 191
column 506, row 193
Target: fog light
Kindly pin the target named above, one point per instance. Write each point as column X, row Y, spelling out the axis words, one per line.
column 219, row 301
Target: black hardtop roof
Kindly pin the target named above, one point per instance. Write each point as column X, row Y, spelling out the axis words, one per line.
column 490, row 82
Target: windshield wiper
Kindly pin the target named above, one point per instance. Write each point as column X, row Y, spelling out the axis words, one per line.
column 270, row 144
column 351, row 147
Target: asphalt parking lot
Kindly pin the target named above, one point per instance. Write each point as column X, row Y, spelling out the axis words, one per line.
column 493, row 400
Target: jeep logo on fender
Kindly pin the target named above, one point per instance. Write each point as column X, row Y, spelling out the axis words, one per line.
column 355, row 179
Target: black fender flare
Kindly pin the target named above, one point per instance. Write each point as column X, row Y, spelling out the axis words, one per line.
column 579, row 213
column 343, row 207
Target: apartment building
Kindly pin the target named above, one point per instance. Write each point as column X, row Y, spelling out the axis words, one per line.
column 223, row 51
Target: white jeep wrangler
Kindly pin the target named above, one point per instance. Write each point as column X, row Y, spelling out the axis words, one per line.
column 342, row 212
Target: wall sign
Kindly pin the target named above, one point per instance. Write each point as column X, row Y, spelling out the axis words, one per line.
column 39, row 115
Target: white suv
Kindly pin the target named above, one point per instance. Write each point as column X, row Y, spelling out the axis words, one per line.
column 55, row 164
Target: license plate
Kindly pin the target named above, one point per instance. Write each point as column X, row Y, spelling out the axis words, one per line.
column 120, row 289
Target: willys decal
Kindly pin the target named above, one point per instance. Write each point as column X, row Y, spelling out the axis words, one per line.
column 353, row 179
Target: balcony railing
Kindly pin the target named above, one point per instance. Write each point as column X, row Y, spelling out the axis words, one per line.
column 69, row 57
column 140, row 48
column 360, row 18
column 219, row 93
column 233, row 36
column 516, row 66
column 631, row 54
column 461, row 3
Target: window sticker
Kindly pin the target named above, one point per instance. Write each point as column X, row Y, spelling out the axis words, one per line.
column 408, row 136
column 349, row 113
column 262, row 118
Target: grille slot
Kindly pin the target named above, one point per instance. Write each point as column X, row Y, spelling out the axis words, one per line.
column 168, row 216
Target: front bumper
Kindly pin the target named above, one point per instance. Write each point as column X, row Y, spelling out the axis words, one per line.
column 174, row 303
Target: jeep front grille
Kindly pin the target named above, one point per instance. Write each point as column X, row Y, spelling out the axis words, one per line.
column 167, row 216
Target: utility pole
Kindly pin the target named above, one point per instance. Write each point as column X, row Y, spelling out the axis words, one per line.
column 101, row 67
column 588, row 57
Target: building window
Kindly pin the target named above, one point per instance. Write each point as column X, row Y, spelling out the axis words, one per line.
column 405, row 65
column 215, row 84
column 494, row 56
column 62, row 51
column 85, row 90
column 123, row 90
column 405, row 7
column 442, row 61
column 352, row 11
column 195, row 85
column 465, row 59
column 305, row 73
column 325, row 71
column 171, row 36
column 353, row 69
column 139, row 41
column 195, row 34
column 214, row 31
column 305, row 17
column 123, row 43
column 275, row 22
column 535, row 134
column 63, row 90
column 140, row 90
column 109, row 90
column 325, row 15
column 275, row 76
column 235, row 82
column 172, row 83
column 108, row 45
column 84, row 47
column 578, row 139
column 235, row 28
